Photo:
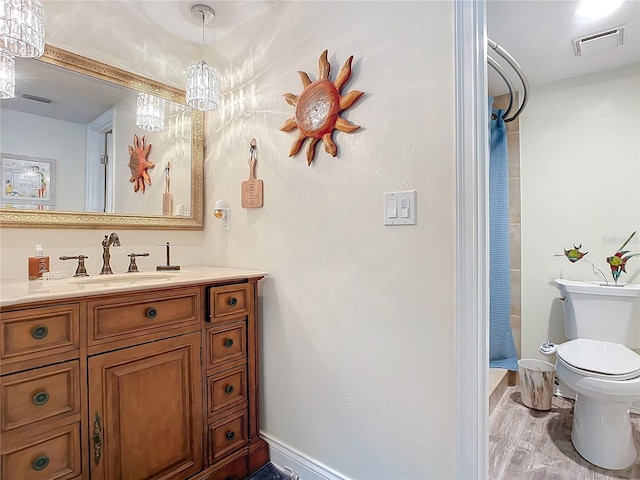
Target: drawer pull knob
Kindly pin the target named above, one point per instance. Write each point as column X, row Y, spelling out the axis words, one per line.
column 233, row 301
column 152, row 313
column 40, row 398
column 231, row 435
column 229, row 389
column 228, row 342
column 40, row 463
column 39, row 332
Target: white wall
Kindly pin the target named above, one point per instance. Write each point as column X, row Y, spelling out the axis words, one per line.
column 64, row 142
column 358, row 318
column 580, row 171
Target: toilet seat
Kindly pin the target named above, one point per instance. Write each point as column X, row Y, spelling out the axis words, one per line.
column 604, row 360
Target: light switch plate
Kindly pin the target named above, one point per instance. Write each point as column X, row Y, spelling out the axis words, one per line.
column 400, row 208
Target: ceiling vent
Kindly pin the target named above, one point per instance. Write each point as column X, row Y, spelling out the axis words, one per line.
column 597, row 42
column 36, row 98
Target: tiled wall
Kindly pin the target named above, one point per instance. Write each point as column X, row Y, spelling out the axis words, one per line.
column 513, row 146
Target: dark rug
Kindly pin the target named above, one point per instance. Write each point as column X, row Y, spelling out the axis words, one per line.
column 269, row 472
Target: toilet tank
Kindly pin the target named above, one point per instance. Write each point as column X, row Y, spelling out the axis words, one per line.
column 601, row 312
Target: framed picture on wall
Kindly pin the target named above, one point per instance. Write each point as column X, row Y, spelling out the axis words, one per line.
column 27, row 181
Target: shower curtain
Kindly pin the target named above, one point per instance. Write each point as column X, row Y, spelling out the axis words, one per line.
column 502, row 350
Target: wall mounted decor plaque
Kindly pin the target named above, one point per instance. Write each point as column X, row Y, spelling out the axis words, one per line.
column 318, row 109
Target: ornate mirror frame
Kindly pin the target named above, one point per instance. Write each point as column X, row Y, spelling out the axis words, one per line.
column 108, row 73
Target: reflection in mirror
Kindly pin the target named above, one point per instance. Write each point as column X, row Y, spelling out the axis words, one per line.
column 83, row 117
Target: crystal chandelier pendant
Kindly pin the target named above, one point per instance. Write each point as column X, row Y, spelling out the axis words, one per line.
column 7, row 76
column 203, row 83
column 150, row 112
column 202, row 87
column 22, row 28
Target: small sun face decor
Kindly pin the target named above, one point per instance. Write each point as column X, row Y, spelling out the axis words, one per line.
column 139, row 163
column 318, row 109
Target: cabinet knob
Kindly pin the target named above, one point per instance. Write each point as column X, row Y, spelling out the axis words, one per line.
column 233, row 301
column 39, row 332
column 231, row 435
column 40, row 463
column 152, row 313
column 40, row 398
column 229, row 389
column 228, row 342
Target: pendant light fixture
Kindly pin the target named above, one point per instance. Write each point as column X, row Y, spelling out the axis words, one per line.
column 150, row 112
column 22, row 28
column 7, row 75
column 21, row 35
column 202, row 92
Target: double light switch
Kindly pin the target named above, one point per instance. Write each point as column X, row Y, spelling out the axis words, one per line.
column 400, row 208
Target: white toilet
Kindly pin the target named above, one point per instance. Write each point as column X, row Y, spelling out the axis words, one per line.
column 602, row 323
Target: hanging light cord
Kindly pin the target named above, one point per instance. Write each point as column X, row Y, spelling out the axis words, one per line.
column 202, row 35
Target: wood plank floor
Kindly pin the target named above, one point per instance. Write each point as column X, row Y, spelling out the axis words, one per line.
column 526, row 444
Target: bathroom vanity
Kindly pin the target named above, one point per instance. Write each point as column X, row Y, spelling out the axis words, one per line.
column 131, row 376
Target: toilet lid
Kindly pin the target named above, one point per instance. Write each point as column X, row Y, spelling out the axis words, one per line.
column 599, row 357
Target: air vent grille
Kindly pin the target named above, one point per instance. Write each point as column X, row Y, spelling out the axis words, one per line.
column 36, row 98
column 599, row 41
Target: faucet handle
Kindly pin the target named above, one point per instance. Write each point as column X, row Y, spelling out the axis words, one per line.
column 81, row 271
column 132, row 264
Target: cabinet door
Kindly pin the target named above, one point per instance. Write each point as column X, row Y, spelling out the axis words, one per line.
column 145, row 408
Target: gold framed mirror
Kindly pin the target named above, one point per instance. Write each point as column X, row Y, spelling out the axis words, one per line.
column 30, row 135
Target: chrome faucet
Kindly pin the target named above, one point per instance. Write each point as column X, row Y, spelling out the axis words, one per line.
column 108, row 241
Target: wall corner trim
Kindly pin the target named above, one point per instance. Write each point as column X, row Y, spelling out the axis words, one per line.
column 472, row 241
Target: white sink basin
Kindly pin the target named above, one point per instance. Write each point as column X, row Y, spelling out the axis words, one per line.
column 125, row 278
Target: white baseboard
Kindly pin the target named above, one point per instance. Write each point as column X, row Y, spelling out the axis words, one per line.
column 290, row 460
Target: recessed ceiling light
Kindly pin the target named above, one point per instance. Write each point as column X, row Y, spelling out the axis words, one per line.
column 593, row 9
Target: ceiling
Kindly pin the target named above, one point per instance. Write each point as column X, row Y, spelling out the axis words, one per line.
column 539, row 35
column 175, row 17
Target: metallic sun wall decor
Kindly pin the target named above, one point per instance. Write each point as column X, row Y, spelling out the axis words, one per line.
column 318, row 109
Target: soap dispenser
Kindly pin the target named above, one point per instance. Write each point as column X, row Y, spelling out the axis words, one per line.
column 38, row 264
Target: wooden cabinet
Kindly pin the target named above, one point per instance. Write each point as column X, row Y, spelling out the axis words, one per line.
column 231, row 379
column 146, row 405
column 149, row 384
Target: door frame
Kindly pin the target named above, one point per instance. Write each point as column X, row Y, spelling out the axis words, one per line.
column 472, row 240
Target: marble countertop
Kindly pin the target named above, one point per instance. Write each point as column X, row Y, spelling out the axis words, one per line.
column 15, row 292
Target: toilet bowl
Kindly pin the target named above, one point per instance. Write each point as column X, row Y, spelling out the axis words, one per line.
column 606, row 378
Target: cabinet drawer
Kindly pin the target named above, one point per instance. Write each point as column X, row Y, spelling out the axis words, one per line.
column 226, row 390
column 226, row 344
column 140, row 314
column 39, row 394
column 52, row 455
column 36, row 332
column 227, row 435
column 228, row 302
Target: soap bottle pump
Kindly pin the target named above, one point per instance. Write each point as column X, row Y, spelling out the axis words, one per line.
column 38, row 264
